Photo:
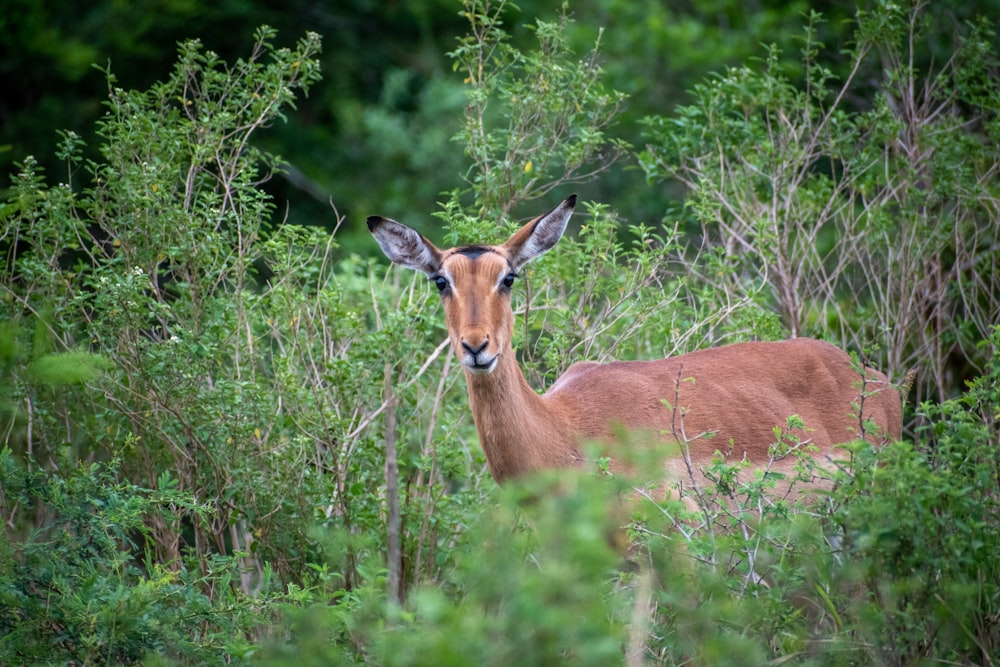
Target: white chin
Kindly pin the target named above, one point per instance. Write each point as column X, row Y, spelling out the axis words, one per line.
column 481, row 369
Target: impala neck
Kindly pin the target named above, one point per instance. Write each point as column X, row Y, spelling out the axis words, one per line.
column 520, row 431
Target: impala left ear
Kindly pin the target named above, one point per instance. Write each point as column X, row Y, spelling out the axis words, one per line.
column 540, row 234
column 405, row 246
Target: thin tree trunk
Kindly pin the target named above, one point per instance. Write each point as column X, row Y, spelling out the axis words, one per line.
column 394, row 555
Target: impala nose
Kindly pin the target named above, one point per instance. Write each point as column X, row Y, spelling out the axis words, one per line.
column 472, row 349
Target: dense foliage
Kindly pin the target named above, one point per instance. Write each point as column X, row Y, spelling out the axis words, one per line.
column 228, row 439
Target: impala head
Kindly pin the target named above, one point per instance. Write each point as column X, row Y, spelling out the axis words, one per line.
column 474, row 280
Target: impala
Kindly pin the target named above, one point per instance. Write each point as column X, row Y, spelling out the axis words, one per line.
column 737, row 393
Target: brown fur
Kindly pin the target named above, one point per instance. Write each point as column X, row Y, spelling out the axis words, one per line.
column 737, row 392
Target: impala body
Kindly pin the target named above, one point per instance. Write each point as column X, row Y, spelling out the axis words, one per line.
column 737, row 393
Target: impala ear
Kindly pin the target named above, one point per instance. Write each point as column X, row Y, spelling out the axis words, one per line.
column 540, row 234
column 404, row 246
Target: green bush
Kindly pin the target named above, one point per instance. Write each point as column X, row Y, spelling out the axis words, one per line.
column 152, row 317
column 920, row 525
column 84, row 586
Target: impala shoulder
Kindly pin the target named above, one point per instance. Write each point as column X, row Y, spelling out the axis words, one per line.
column 592, row 377
column 575, row 373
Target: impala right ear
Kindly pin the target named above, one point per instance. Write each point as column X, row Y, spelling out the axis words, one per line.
column 540, row 234
column 404, row 246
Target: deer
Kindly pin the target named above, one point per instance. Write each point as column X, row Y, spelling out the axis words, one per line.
column 737, row 393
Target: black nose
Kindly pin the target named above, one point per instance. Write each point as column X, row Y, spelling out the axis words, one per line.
column 474, row 351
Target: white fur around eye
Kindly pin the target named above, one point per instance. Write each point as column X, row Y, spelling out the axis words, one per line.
column 501, row 279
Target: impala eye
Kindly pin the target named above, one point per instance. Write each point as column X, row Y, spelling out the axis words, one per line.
column 441, row 282
column 508, row 280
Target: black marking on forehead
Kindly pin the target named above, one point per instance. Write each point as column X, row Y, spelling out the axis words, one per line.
column 474, row 251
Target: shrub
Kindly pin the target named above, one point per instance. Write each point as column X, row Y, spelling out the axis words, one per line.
column 873, row 226
column 84, row 586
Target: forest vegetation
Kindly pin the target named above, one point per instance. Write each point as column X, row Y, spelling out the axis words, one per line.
column 232, row 434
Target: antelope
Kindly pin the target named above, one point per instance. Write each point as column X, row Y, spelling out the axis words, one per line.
column 737, row 393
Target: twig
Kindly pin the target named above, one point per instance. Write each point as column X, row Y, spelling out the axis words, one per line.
column 394, row 553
